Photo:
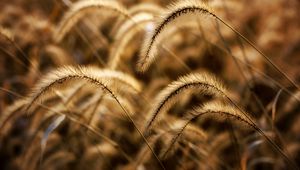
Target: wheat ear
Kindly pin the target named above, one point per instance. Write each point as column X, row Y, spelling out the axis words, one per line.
column 203, row 82
column 212, row 108
column 92, row 75
column 187, row 129
column 238, row 114
column 187, row 7
column 143, row 8
column 122, row 37
column 61, row 76
column 79, row 9
column 174, row 11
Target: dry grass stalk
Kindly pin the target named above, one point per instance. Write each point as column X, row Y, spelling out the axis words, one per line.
column 80, row 9
column 203, row 83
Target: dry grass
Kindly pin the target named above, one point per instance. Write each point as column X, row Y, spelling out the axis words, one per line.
column 80, row 88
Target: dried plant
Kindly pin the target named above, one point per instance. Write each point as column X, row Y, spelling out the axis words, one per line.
column 203, row 83
column 80, row 9
column 79, row 90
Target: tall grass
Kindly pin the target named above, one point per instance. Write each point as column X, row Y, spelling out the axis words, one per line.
column 80, row 89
